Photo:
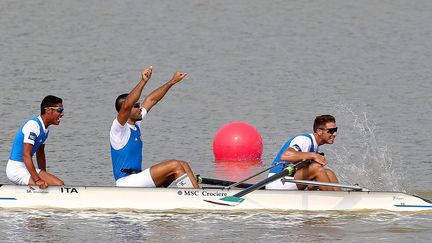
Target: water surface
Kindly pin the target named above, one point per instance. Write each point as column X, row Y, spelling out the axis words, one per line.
column 273, row 64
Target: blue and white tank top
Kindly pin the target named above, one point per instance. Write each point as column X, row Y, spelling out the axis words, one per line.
column 310, row 148
column 33, row 136
column 129, row 156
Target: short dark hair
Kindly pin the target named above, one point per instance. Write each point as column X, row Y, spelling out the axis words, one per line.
column 119, row 101
column 322, row 121
column 50, row 101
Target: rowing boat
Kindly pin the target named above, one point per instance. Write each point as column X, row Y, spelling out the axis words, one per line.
column 97, row 197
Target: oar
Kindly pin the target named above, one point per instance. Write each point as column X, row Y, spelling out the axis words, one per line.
column 221, row 183
column 319, row 183
column 230, row 184
column 236, row 198
column 254, row 175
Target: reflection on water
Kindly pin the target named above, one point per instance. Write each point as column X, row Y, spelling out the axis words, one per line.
column 236, row 170
column 132, row 225
column 277, row 64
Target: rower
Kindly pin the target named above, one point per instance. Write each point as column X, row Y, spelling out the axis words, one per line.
column 126, row 143
column 30, row 141
column 306, row 147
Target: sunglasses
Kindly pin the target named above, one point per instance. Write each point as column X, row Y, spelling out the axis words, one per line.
column 58, row 109
column 329, row 130
column 137, row 105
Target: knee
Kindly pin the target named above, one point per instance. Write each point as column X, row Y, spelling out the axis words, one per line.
column 176, row 165
column 316, row 168
column 330, row 172
column 184, row 164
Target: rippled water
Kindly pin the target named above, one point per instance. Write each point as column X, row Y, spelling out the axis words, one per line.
column 207, row 226
column 273, row 64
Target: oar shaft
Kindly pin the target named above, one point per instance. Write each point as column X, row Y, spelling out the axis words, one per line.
column 262, row 183
column 319, row 183
column 224, row 183
column 236, row 198
column 252, row 176
column 274, row 177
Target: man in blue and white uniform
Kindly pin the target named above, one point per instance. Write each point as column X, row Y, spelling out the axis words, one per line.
column 306, row 147
column 29, row 140
column 126, row 142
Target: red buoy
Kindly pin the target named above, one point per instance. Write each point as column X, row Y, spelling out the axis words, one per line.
column 237, row 141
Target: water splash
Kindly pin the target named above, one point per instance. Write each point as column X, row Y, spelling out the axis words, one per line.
column 359, row 157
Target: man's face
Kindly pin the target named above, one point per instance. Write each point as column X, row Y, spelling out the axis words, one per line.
column 328, row 133
column 54, row 113
column 136, row 112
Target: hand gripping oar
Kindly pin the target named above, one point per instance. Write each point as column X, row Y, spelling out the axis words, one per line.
column 236, row 198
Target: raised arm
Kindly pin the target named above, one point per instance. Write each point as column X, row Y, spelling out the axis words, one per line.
column 154, row 97
column 133, row 96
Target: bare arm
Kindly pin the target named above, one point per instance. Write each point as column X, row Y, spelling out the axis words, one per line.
column 154, row 97
column 40, row 157
column 295, row 156
column 29, row 162
column 133, row 96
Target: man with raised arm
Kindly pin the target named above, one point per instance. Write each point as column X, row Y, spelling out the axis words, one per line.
column 29, row 140
column 306, row 147
column 126, row 143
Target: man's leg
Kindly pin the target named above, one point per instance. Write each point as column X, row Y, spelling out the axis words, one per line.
column 313, row 172
column 333, row 179
column 190, row 174
column 164, row 173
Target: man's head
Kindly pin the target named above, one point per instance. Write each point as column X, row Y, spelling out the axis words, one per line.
column 325, row 128
column 119, row 101
column 135, row 114
column 52, row 109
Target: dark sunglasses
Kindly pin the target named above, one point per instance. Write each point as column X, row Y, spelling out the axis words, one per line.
column 329, row 130
column 137, row 105
column 58, row 109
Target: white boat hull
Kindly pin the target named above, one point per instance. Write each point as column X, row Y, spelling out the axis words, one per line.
column 80, row 197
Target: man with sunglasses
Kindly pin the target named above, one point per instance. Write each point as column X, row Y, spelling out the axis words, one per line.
column 126, row 143
column 306, row 147
column 29, row 140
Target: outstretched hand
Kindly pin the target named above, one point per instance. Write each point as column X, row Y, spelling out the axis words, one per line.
column 146, row 73
column 177, row 77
